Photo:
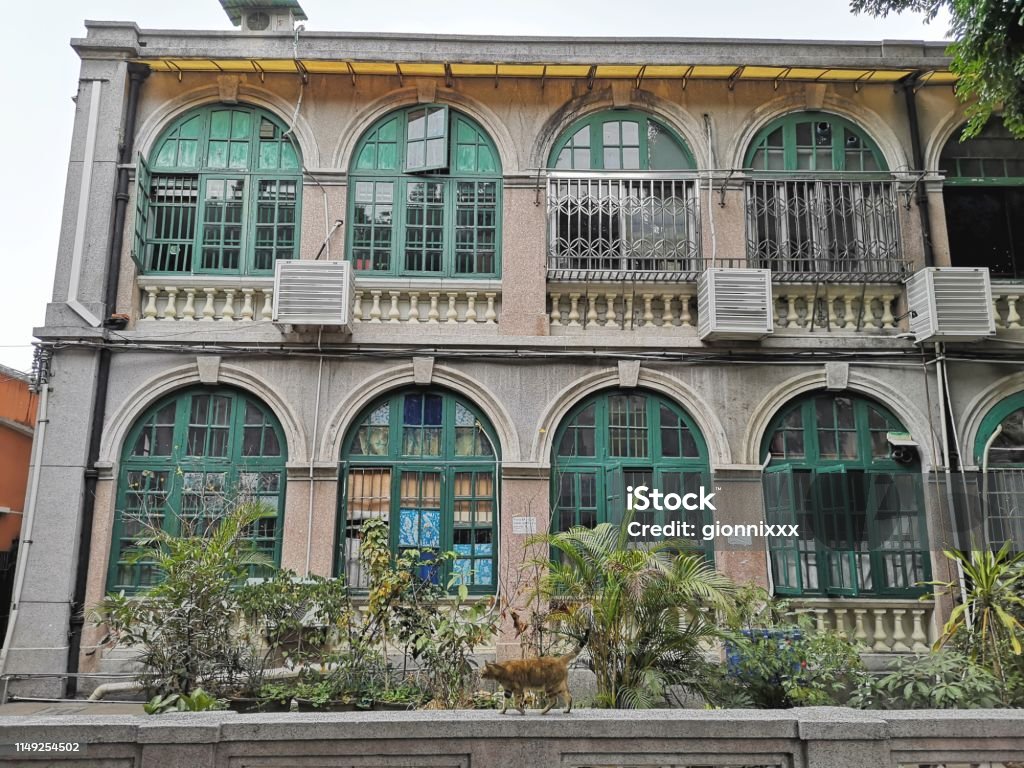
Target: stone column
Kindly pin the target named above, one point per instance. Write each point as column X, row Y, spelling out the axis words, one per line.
column 739, row 501
column 523, row 266
column 296, row 518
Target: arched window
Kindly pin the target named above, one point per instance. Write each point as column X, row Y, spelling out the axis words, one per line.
column 622, row 438
column 619, row 140
column 425, row 196
column 607, row 226
column 189, row 459
column 806, row 210
column 220, row 194
column 860, row 511
column 984, row 200
column 425, row 462
column 999, row 449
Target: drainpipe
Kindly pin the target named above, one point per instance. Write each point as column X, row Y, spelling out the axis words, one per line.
column 137, row 73
column 917, row 157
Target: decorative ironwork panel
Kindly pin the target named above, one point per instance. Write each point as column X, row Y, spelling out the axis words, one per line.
column 818, row 229
column 614, row 227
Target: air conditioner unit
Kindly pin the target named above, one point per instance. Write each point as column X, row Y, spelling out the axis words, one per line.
column 950, row 304
column 734, row 304
column 313, row 293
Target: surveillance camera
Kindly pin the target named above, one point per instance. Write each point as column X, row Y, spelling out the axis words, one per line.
column 904, row 454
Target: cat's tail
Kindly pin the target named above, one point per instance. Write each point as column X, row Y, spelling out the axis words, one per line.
column 571, row 656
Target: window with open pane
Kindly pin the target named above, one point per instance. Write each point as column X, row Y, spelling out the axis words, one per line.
column 219, row 194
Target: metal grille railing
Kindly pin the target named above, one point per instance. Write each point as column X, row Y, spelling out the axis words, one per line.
column 632, row 226
column 806, row 229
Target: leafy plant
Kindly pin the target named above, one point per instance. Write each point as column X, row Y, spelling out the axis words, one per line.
column 196, row 701
column 988, row 54
column 985, row 623
column 185, row 625
column 940, row 680
column 649, row 610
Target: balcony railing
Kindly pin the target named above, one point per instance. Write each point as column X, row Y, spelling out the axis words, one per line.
column 615, row 226
column 815, row 229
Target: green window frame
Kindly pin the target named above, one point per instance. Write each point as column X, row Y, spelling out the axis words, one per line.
column 983, row 193
column 861, row 513
column 220, row 194
column 425, row 197
column 184, row 461
column 620, row 140
column 1002, row 491
column 620, row 438
column 424, row 461
column 814, row 142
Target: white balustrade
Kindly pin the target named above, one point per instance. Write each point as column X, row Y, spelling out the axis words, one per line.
column 1006, row 306
column 889, row 626
column 613, row 309
column 836, row 308
column 428, row 306
column 165, row 301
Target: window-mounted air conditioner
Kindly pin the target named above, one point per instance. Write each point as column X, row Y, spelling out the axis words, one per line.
column 950, row 304
column 313, row 293
column 734, row 304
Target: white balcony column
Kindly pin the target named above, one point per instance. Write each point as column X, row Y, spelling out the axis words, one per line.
column 918, row 638
column 1012, row 316
column 433, row 315
column 610, row 315
column 267, row 313
column 887, row 320
column 880, row 645
column 247, row 310
column 393, row 314
column 414, row 306
column 648, row 313
column 792, row 316
column 667, row 318
column 556, row 309
column 452, row 315
column 357, row 307
column 149, row 311
column 471, row 307
column 574, row 312
column 820, row 619
column 490, row 315
column 848, row 312
column 996, row 312
column 228, row 313
column 209, row 312
column 591, row 310
column 840, row 614
column 685, row 318
column 627, row 312
column 860, row 634
column 375, row 311
column 899, row 634
column 171, row 307
column 188, row 312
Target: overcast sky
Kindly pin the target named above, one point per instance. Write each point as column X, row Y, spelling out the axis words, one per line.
column 39, row 72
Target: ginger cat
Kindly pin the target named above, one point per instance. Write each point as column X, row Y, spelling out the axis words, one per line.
column 546, row 673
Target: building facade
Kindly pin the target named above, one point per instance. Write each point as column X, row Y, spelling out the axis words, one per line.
column 529, row 222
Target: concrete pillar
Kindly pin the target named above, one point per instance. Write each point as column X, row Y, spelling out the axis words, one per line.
column 523, row 262
column 525, row 507
column 739, row 501
column 296, row 543
column 843, row 738
column 729, row 245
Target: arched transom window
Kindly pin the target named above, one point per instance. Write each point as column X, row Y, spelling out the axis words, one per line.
column 188, row 460
column 219, row 194
column 425, row 196
column 860, row 511
column 424, row 461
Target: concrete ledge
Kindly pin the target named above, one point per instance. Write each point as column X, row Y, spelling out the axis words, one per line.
column 820, row 737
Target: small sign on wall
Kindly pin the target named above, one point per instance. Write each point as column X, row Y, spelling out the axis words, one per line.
column 524, row 525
